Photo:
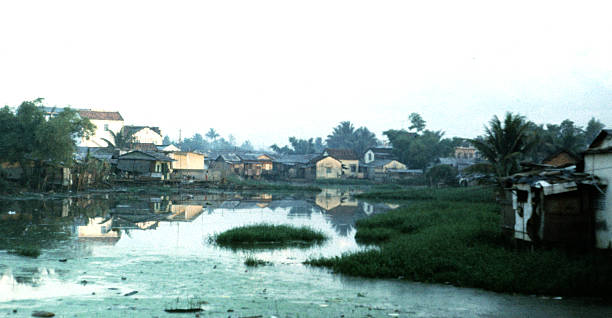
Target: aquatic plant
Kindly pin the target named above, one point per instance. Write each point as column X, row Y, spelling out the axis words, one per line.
column 252, row 261
column 269, row 235
column 453, row 240
column 26, row 251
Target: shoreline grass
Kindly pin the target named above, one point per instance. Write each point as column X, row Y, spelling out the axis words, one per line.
column 269, row 236
column 459, row 241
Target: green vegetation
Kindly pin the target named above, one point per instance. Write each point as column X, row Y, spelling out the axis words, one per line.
column 471, row 194
column 26, row 251
column 454, row 236
column 260, row 235
column 38, row 144
column 252, row 261
column 234, row 183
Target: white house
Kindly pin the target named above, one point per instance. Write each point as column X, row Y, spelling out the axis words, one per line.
column 145, row 134
column 105, row 122
column 598, row 162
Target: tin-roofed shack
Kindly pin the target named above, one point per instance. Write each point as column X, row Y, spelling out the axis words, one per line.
column 551, row 206
column 145, row 164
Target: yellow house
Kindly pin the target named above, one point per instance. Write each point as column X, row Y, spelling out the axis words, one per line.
column 349, row 161
column 379, row 169
column 189, row 164
column 324, row 167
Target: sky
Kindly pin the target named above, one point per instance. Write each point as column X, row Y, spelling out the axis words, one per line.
column 266, row 70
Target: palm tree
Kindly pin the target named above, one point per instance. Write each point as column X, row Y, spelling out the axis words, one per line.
column 212, row 134
column 342, row 136
column 504, row 143
column 121, row 140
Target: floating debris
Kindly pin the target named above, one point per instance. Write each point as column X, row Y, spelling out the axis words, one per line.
column 43, row 314
column 131, row 293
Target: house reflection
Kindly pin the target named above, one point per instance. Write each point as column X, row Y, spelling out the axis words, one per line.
column 99, row 229
column 341, row 209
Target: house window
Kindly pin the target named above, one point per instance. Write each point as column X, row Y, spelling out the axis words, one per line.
column 370, row 156
column 328, row 170
column 106, row 127
column 353, row 168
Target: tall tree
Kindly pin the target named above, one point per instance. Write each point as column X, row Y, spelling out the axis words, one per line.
column 342, row 136
column 416, row 122
column 593, row 128
column 504, row 143
column 345, row 136
column 212, row 134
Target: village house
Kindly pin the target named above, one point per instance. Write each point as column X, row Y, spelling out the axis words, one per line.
column 469, row 152
column 598, row 162
column 292, row 166
column 188, row 165
column 561, row 159
column 378, row 153
column 105, row 122
column 349, row 161
column 256, row 165
column 145, row 165
column 387, row 169
column 145, row 134
column 323, row 167
column 224, row 165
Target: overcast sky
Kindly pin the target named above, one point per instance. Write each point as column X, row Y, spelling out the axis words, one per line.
column 267, row 70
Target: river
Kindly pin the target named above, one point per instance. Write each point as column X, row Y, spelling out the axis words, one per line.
column 97, row 250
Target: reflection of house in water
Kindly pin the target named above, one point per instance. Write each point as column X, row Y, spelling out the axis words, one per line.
column 341, row 208
column 297, row 208
column 185, row 211
column 371, row 208
column 99, row 229
column 328, row 199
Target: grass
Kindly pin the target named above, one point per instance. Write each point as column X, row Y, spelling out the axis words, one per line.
column 26, row 251
column 252, row 261
column 267, row 235
column 235, row 183
column 469, row 194
column 449, row 238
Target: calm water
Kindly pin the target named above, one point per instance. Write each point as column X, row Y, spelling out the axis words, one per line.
column 160, row 247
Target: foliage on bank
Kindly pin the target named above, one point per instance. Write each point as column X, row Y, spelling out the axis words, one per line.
column 446, row 237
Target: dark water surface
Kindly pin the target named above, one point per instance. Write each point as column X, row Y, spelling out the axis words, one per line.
column 160, row 247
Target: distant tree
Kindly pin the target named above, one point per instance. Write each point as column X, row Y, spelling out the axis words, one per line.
column 212, row 134
column 246, row 145
column 504, row 143
column 342, row 136
column 166, row 140
column 194, row 143
column 231, row 140
column 281, row 151
column 345, row 136
column 593, row 128
column 416, row 122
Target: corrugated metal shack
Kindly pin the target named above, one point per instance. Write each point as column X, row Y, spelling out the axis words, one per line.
column 551, row 206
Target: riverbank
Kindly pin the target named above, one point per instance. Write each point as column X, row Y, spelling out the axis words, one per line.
column 453, row 236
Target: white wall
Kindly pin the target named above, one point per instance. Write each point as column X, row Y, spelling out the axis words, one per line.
column 100, row 132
